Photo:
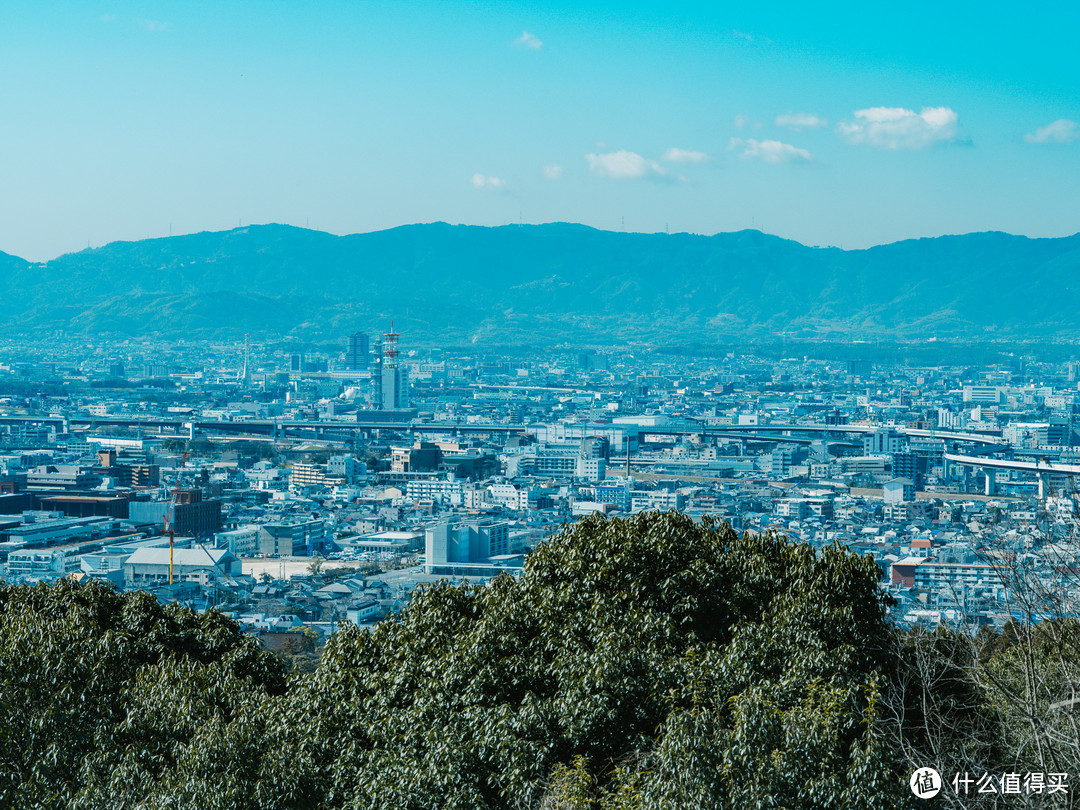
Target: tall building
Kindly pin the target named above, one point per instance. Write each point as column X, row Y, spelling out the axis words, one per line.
column 906, row 466
column 394, row 380
column 884, row 442
column 191, row 514
column 245, row 374
column 859, row 368
column 356, row 356
column 783, row 456
column 595, row 447
column 395, row 388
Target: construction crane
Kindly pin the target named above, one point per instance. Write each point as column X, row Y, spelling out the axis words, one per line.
column 170, row 514
column 169, row 518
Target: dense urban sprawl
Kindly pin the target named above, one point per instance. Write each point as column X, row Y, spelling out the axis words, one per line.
column 299, row 488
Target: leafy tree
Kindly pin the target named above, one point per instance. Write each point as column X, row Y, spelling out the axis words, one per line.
column 667, row 664
column 648, row 662
column 75, row 661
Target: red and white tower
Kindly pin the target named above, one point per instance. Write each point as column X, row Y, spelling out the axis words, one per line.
column 390, row 348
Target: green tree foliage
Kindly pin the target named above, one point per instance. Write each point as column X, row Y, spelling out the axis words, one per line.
column 667, row 664
column 647, row 662
column 80, row 665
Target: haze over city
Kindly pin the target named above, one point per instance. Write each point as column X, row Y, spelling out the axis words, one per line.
column 841, row 124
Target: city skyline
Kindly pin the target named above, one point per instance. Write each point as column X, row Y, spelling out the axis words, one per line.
column 842, row 126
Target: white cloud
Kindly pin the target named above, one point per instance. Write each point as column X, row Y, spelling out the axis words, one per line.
column 744, row 122
column 553, row 171
column 799, row 121
column 487, row 183
column 529, row 42
column 154, row 26
column 751, row 38
column 898, row 128
column 674, row 155
column 623, row 165
column 770, row 151
column 1061, row 131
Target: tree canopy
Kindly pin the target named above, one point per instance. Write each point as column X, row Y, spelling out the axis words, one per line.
column 646, row 662
column 89, row 677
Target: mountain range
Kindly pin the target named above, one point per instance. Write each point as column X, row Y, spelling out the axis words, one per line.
column 549, row 283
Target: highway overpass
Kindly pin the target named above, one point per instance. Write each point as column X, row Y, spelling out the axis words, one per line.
column 1041, row 469
column 282, row 428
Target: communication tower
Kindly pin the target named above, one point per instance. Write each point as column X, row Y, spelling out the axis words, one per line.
column 390, row 348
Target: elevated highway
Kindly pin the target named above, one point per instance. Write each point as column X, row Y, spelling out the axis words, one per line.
column 1040, row 468
column 683, row 428
column 179, row 425
column 264, row 427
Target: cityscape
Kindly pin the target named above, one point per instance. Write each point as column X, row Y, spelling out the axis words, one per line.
column 299, row 488
column 539, row 406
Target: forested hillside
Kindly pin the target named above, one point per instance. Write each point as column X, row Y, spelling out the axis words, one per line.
column 550, row 283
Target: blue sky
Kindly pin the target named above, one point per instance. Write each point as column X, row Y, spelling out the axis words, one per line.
column 835, row 123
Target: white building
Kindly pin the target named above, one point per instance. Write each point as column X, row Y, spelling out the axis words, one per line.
column 346, row 467
column 985, row 394
column 1027, row 434
column 43, row 563
column 883, row 442
column 591, row 469
column 241, row 542
column 509, row 496
column 899, row 490
column 61, row 476
column 656, row 500
column 465, row 545
column 863, row 464
column 395, row 388
column 443, row 490
column 150, row 566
